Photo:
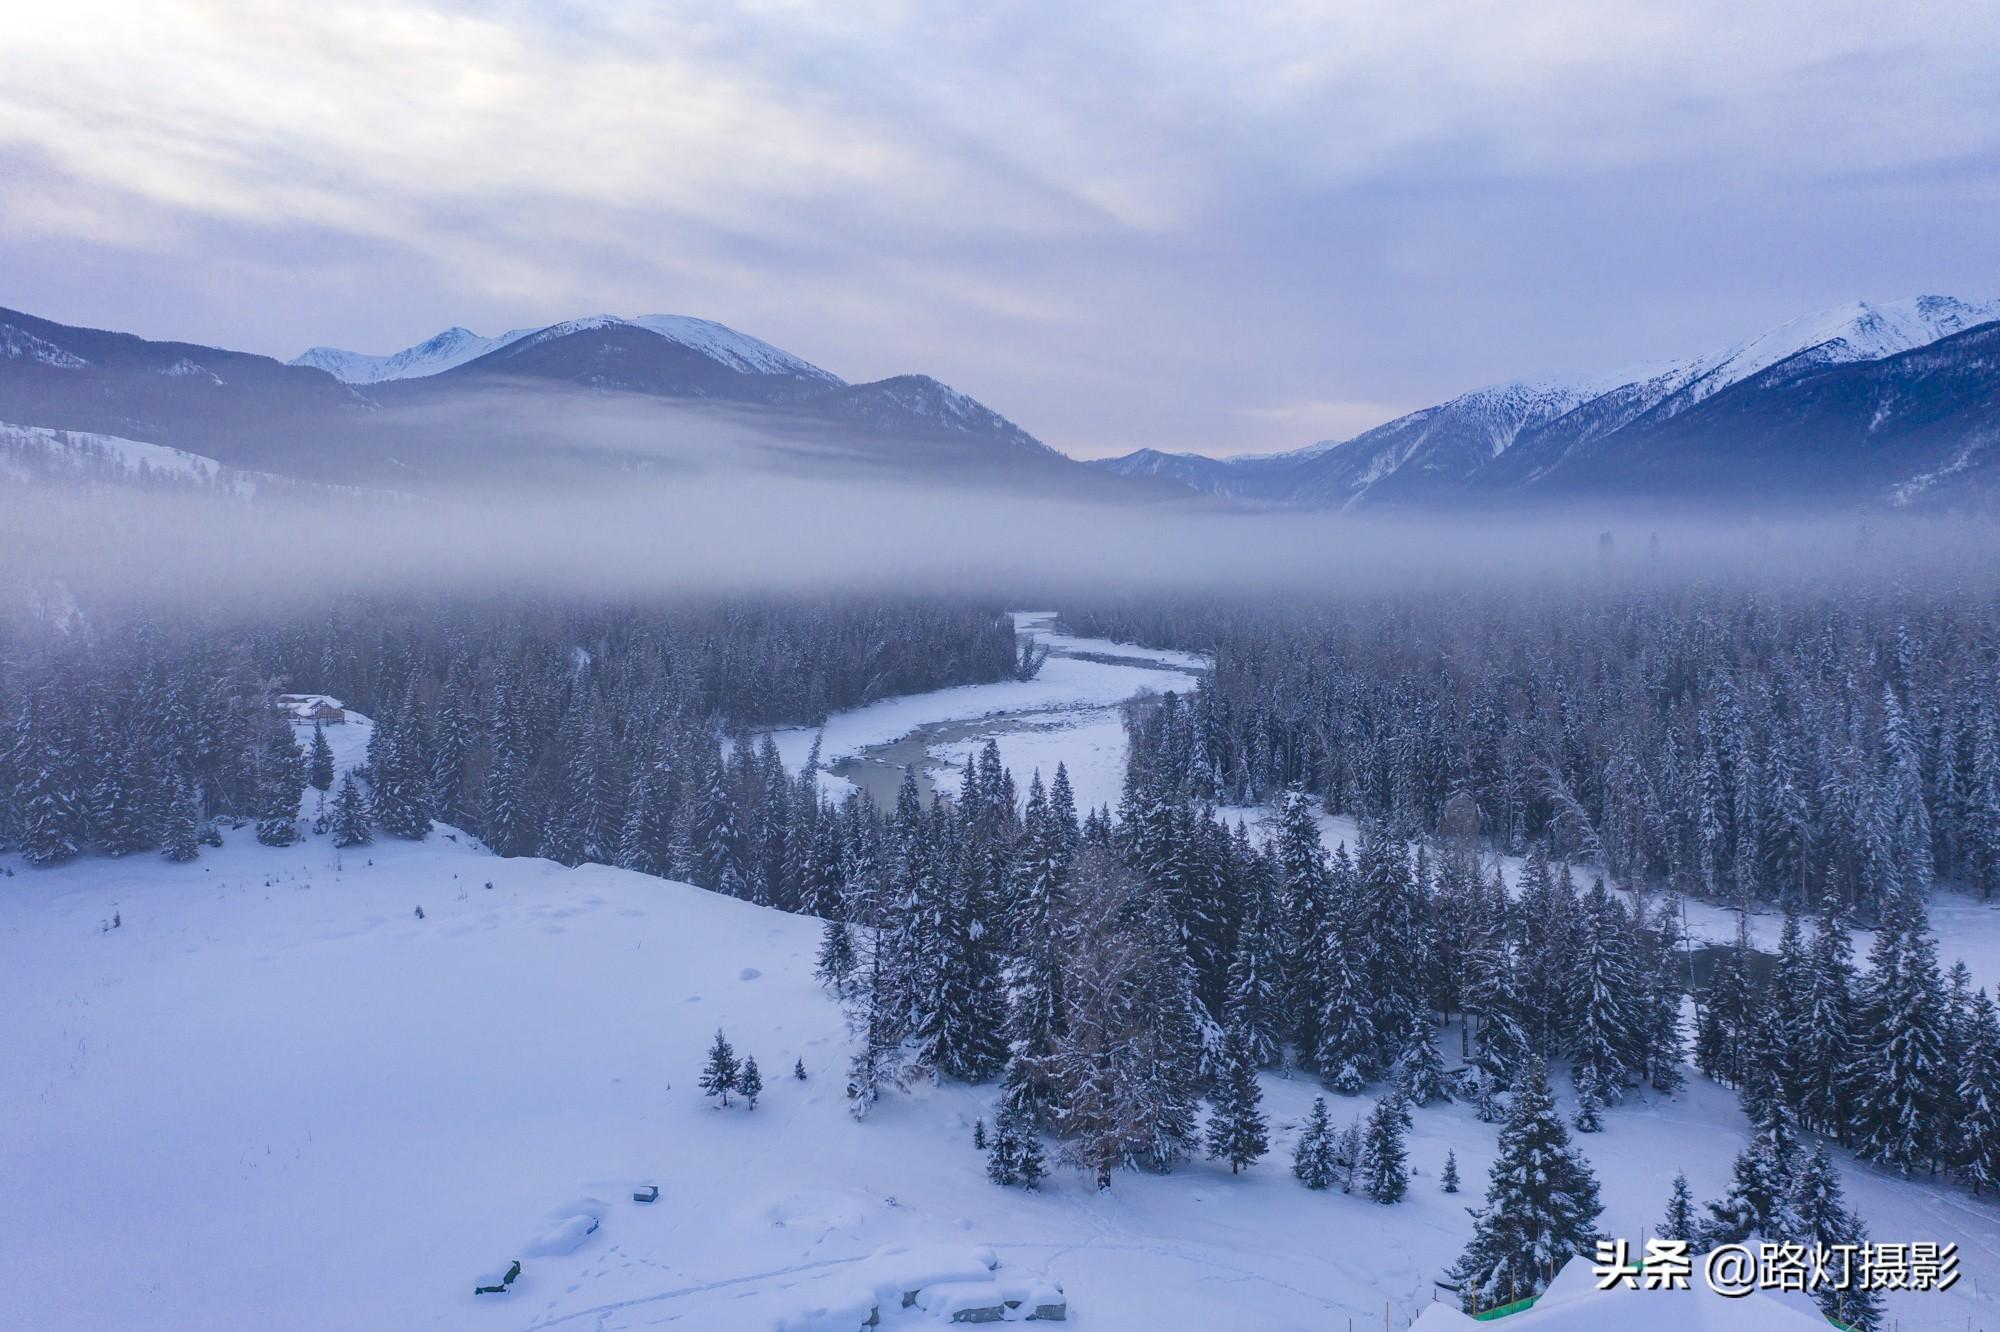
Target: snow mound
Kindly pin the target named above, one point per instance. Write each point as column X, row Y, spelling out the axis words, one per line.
column 566, row 1229
column 942, row 1280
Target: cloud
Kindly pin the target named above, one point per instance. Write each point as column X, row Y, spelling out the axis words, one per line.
column 1118, row 224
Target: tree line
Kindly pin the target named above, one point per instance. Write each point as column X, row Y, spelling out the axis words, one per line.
column 1740, row 742
column 618, row 734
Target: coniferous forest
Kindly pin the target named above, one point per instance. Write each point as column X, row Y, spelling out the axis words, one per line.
column 1123, row 974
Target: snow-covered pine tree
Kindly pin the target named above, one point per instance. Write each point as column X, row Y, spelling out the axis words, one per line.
column 179, row 835
column 835, row 966
column 319, row 761
column 1448, row 1177
column 1002, row 1147
column 350, row 815
column 1347, row 1040
column 1977, row 1158
column 402, row 774
column 1899, row 1072
column 750, row 1082
column 1541, row 1201
column 1825, row 1033
column 282, row 782
column 1500, row 1042
column 1603, row 990
column 1662, row 967
column 1547, row 919
column 1253, row 1003
column 1822, row 1218
column 1303, row 882
column 1039, row 887
column 1386, row 1174
column 1588, row 1118
column 1349, row 1153
column 960, row 1002
column 1388, row 901
column 877, row 1059
column 1313, row 1159
column 1236, row 1128
column 640, row 845
column 721, row 1074
column 1679, row 1223
column 1758, row 1202
column 47, row 801
column 1420, row 1066
column 1030, row 1165
column 1723, row 1032
column 1124, row 1070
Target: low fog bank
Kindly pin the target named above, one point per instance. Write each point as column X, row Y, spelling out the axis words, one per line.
column 655, row 536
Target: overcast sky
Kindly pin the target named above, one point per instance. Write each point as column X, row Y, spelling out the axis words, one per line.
column 1225, row 227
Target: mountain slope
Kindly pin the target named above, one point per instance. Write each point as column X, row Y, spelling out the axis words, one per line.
column 1847, row 334
column 1526, row 442
column 1917, row 429
column 659, row 393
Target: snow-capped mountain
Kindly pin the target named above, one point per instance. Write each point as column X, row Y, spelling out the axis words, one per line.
column 1517, row 439
column 646, row 393
column 1858, row 331
column 458, row 346
column 453, row 347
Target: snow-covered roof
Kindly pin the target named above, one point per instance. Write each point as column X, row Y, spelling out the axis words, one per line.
column 1573, row 1303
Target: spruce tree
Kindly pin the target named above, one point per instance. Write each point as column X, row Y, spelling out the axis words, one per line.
column 178, row 840
column 1305, row 886
column 1758, row 1203
column 1349, row 1151
column 1822, row 1219
column 1003, row 1148
column 750, row 1082
column 1978, row 1156
column 1825, row 1034
column 1541, row 1201
column 799, row 1068
column 835, row 967
column 1420, row 1066
column 282, row 779
column 350, row 815
column 1312, row 1159
column 1029, row 1166
column 319, row 763
column 871, row 1017
column 1899, row 1077
column 1587, row 1118
column 1386, row 1176
column 1236, row 1128
column 1448, row 1178
column 719, row 1076
column 1603, row 989
column 1679, row 1222
column 1253, row 1002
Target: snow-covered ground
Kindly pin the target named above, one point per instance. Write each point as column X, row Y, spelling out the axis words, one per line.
column 272, row 1096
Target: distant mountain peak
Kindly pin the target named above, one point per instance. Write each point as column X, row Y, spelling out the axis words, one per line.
column 434, row 355
column 1515, row 435
column 458, row 346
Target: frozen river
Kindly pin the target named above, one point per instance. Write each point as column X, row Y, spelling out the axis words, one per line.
column 1068, row 713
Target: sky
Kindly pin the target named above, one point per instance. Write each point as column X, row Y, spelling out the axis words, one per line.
column 1223, row 228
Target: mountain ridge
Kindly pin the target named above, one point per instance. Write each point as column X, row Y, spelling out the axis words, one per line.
column 1502, row 442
